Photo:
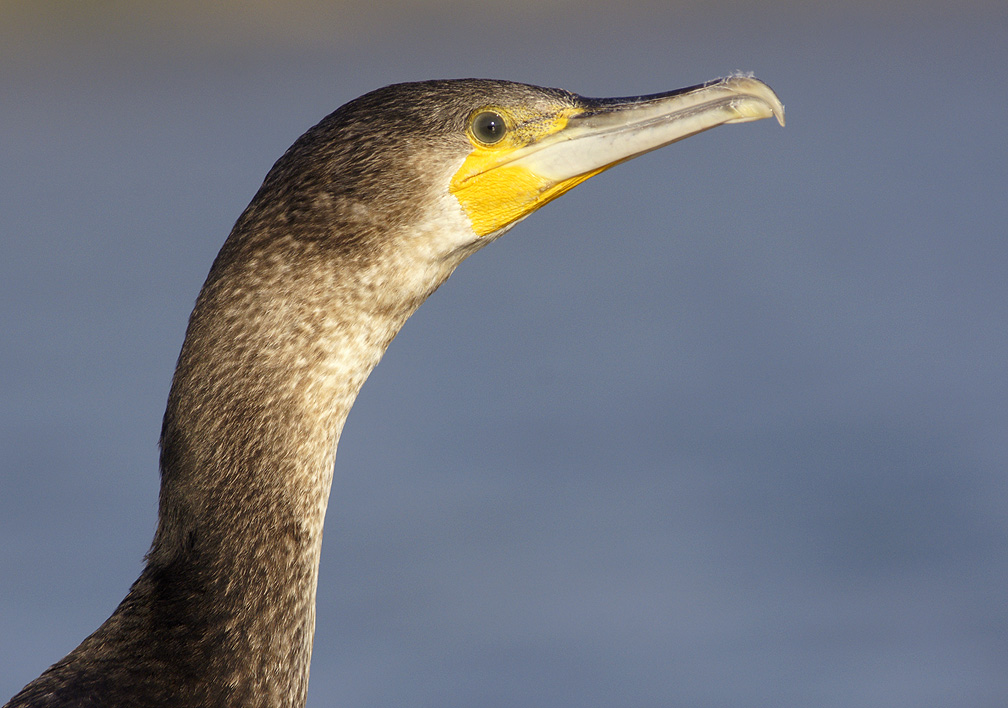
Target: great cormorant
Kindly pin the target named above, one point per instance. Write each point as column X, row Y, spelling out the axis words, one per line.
column 353, row 228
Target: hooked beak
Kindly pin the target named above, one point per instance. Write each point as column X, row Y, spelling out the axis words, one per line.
column 500, row 186
column 613, row 130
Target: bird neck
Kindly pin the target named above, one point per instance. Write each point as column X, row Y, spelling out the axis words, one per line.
column 299, row 306
column 261, row 392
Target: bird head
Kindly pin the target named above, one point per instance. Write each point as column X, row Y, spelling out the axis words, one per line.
column 464, row 160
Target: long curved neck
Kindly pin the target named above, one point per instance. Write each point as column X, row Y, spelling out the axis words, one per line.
column 299, row 306
column 260, row 395
column 284, row 333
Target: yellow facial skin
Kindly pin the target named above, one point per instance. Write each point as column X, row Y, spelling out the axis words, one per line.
column 495, row 194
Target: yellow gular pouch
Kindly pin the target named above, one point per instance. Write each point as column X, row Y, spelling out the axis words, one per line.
column 495, row 192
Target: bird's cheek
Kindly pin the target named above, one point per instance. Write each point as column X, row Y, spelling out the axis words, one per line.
column 497, row 197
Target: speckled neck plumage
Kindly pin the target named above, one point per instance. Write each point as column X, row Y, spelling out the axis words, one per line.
column 262, row 388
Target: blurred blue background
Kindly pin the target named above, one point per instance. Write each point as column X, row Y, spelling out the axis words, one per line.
column 725, row 426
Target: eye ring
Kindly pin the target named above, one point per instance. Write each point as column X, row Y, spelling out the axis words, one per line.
column 488, row 127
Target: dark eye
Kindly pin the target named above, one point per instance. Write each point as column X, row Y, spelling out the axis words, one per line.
column 488, row 127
